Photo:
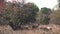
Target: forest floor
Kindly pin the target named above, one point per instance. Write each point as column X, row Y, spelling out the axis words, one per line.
column 8, row 30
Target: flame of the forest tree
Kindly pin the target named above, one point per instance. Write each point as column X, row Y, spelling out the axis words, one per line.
column 2, row 5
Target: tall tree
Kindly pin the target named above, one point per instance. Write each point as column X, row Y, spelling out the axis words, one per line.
column 45, row 12
column 22, row 15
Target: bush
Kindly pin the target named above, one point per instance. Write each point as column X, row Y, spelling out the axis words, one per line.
column 45, row 20
column 44, row 15
column 15, row 15
column 55, row 17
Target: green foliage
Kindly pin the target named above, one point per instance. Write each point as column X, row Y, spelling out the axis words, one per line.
column 29, row 13
column 45, row 10
column 15, row 15
column 5, row 17
column 44, row 15
column 25, row 15
column 45, row 20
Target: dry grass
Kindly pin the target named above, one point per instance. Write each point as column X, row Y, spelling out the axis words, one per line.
column 8, row 30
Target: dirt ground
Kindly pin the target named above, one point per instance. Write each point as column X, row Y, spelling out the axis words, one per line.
column 8, row 30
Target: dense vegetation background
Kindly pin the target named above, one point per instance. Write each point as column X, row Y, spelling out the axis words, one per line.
column 17, row 14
